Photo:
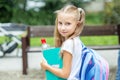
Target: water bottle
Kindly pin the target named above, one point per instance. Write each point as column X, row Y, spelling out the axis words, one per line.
column 44, row 44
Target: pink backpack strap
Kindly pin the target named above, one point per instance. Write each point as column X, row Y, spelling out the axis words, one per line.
column 107, row 68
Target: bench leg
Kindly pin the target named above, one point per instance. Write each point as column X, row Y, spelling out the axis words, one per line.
column 24, row 56
column 24, row 59
column 118, row 68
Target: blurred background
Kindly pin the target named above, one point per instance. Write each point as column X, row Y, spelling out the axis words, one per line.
column 41, row 12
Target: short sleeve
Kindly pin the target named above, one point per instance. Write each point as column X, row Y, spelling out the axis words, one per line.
column 68, row 46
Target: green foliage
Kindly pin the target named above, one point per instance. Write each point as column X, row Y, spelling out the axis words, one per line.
column 78, row 3
column 112, row 12
column 94, row 18
column 51, row 5
column 6, row 7
column 34, row 18
column 116, row 12
column 45, row 15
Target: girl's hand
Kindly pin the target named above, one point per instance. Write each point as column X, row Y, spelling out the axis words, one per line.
column 44, row 64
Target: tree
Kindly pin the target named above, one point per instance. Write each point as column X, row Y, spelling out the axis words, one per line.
column 53, row 5
column 112, row 12
column 15, row 11
column 6, row 10
column 116, row 12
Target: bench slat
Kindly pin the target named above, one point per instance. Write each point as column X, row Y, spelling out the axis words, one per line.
column 112, row 47
column 87, row 31
column 99, row 30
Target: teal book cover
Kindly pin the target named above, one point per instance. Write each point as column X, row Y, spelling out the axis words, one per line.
column 54, row 59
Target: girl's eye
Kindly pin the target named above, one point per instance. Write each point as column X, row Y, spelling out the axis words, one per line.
column 60, row 23
column 68, row 23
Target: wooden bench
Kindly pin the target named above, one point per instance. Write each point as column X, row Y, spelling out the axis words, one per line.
column 106, row 30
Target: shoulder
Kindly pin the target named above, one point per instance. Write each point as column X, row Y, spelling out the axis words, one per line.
column 67, row 46
column 72, row 41
column 68, row 41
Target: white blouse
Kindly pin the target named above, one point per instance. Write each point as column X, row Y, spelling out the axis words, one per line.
column 74, row 47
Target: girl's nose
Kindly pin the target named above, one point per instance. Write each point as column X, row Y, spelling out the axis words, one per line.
column 63, row 27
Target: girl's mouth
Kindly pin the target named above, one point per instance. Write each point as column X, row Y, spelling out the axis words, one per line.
column 64, row 32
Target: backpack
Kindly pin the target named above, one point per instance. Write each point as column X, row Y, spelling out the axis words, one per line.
column 93, row 66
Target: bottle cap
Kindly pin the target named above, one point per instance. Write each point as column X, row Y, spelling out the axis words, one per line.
column 43, row 41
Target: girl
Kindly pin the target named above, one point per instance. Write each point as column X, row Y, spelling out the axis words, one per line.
column 69, row 24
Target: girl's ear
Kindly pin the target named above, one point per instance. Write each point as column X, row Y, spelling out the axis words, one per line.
column 78, row 23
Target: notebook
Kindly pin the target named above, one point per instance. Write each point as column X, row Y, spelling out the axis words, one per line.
column 54, row 59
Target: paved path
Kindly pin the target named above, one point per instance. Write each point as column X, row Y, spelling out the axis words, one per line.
column 11, row 66
column 13, row 62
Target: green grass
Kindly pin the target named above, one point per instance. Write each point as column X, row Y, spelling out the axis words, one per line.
column 100, row 40
column 93, row 40
column 2, row 39
column 36, row 41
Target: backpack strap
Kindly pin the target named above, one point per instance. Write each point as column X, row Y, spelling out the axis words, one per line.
column 87, row 66
column 89, row 70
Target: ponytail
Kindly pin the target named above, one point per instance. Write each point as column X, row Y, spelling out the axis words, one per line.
column 81, row 15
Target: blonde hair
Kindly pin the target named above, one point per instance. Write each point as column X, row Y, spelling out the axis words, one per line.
column 78, row 13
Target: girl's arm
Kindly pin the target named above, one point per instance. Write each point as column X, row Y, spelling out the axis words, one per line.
column 65, row 71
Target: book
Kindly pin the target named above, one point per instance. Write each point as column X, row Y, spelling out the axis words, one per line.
column 53, row 58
